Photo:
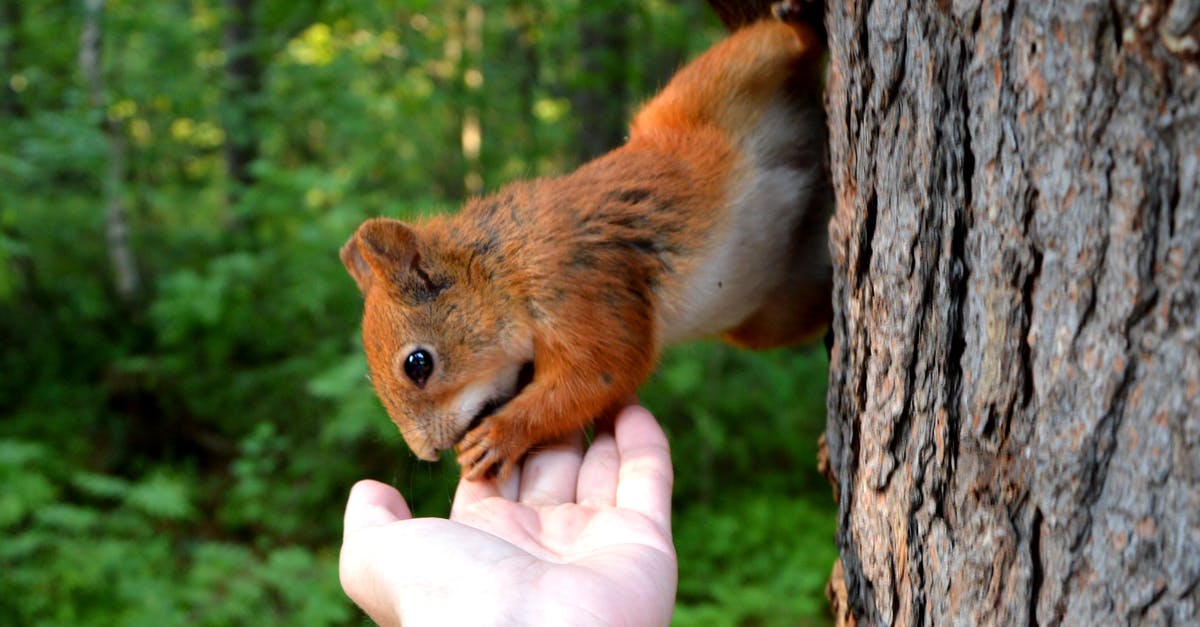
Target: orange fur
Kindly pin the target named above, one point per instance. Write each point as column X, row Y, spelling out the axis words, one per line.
column 578, row 281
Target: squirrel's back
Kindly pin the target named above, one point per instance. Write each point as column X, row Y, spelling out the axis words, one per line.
column 702, row 220
column 723, row 173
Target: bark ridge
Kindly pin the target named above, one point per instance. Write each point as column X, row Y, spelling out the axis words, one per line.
column 1015, row 381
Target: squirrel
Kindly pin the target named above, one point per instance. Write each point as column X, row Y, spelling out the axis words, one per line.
column 535, row 310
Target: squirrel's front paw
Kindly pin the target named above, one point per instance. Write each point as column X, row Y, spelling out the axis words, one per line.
column 493, row 447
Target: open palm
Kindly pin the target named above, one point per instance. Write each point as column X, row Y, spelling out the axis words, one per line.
column 570, row 538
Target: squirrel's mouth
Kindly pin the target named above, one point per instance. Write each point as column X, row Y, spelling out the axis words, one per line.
column 492, row 405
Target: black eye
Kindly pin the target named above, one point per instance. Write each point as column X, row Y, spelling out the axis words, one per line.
column 418, row 366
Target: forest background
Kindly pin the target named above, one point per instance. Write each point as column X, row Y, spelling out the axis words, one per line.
column 183, row 400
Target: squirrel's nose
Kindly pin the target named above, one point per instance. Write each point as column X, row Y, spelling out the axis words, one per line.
column 421, row 446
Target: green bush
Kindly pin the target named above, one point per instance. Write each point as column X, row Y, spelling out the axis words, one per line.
column 86, row 548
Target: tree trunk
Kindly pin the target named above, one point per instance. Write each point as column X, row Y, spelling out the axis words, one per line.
column 450, row 180
column 523, row 39
column 243, row 85
column 472, row 77
column 10, row 47
column 1014, row 397
column 116, row 224
column 599, row 96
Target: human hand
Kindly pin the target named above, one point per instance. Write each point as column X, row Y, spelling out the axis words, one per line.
column 570, row 538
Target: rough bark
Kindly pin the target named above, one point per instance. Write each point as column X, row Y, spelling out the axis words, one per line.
column 1014, row 392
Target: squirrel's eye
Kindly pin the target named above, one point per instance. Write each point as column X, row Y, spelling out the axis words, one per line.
column 418, row 366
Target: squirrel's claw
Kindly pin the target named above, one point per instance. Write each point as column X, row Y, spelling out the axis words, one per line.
column 484, row 451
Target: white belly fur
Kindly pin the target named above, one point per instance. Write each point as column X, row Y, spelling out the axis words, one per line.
column 748, row 256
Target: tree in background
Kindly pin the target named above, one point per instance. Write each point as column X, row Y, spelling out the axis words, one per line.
column 10, row 44
column 116, row 222
column 598, row 99
column 242, row 92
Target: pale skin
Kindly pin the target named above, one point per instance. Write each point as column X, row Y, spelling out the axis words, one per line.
column 572, row 537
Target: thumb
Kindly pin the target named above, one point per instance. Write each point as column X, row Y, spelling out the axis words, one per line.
column 372, row 504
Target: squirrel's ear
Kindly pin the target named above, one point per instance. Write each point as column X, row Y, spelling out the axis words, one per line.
column 379, row 247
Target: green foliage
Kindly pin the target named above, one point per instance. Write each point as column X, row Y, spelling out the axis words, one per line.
column 83, row 547
column 183, row 458
column 754, row 519
column 754, row 560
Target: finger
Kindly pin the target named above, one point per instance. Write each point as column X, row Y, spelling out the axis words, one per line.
column 361, row 578
column 646, row 477
column 372, row 504
column 597, row 485
column 549, row 473
column 510, row 486
column 472, row 491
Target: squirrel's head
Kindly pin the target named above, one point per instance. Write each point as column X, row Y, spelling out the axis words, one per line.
column 443, row 348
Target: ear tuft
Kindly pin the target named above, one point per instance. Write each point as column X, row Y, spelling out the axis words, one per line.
column 379, row 247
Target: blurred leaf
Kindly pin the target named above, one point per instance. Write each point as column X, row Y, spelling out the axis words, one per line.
column 161, row 496
column 16, row 453
column 22, row 495
column 68, row 518
column 102, row 486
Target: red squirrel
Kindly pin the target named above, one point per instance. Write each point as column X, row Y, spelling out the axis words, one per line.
column 535, row 310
